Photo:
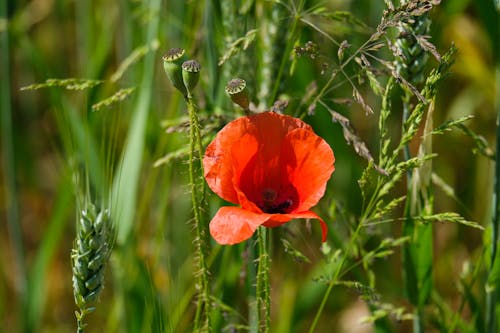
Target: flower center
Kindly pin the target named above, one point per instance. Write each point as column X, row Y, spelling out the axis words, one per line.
column 272, row 203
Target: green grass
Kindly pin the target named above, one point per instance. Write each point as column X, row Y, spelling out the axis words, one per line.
column 57, row 150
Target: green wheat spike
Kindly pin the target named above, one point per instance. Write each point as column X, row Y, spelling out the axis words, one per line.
column 89, row 257
column 412, row 58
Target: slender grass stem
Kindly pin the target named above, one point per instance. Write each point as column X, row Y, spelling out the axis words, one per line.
column 406, row 148
column 418, row 313
column 352, row 242
column 491, row 293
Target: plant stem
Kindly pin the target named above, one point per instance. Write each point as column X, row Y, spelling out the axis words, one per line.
column 263, row 286
column 491, row 293
column 406, row 149
column 202, row 316
column 352, row 241
column 409, row 224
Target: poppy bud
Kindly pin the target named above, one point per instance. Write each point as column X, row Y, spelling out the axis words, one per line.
column 190, row 74
column 236, row 89
column 171, row 63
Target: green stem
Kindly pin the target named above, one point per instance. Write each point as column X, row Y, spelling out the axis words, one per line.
column 335, row 277
column 263, row 286
column 406, row 114
column 491, row 293
column 202, row 316
column 418, row 312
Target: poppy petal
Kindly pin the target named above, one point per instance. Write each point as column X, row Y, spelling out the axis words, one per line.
column 268, row 128
column 217, row 162
column 233, row 225
column 279, row 219
column 307, row 163
column 244, row 154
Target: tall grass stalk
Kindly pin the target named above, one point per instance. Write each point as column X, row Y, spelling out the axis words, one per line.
column 12, row 207
column 492, row 291
column 417, row 254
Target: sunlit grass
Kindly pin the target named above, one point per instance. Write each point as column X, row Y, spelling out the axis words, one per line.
column 88, row 113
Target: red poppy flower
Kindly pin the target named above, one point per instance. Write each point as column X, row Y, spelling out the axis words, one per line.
column 275, row 167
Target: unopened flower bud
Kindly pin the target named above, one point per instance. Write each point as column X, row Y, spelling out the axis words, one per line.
column 172, row 64
column 236, row 89
column 190, row 74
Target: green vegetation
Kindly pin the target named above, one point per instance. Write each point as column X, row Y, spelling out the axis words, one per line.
column 105, row 211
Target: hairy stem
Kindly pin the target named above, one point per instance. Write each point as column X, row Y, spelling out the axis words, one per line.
column 202, row 317
column 263, row 286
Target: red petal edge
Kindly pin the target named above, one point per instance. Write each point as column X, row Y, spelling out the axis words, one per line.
column 232, row 225
column 308, row 162
column 276, row 220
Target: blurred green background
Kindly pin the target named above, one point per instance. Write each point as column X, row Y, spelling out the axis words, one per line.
column 153, row 271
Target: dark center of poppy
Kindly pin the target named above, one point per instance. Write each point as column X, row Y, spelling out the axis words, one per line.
column 274, row 202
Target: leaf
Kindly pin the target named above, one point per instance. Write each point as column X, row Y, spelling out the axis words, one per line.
column 494, row 275
column 417, row 260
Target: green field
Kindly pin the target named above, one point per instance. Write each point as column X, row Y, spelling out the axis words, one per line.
column 128, row 204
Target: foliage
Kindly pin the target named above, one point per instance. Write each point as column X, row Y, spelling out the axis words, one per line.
column 88, row 116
